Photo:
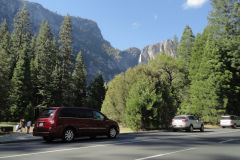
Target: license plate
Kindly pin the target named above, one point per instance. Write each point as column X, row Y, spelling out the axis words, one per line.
column 40, row 124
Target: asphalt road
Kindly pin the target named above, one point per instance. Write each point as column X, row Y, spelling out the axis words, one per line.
column 213, row 144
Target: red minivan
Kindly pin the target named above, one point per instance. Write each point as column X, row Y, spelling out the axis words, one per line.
column 70, row 122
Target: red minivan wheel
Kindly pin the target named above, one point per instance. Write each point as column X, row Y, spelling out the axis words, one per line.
column 68, row 135
column 112, row 133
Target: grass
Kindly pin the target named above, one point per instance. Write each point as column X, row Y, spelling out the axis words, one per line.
column 8, row 123
column 125, row 130
column 211, row 126
column 13, row 124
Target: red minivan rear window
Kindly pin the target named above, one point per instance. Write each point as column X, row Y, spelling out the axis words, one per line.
column 48, row 113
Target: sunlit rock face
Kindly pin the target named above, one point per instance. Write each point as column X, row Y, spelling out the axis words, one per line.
column 151, row 51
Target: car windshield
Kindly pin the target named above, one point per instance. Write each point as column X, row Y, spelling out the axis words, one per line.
column 48, row 113
column 179, row 117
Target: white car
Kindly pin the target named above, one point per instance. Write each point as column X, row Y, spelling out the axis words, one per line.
column 230, row 121
column 187, row 122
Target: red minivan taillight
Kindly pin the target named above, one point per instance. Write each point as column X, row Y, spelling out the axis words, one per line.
column 47, row 123
column 172, row 120
column 185, row 120
column 231, row 122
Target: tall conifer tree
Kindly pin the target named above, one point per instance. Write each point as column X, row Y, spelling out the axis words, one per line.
column 225, row 17
column 22, row 90
column 175, row 42
column 96, row 93
column 186, row 44
column 5, row 38
column 79, row 81
column 56, row 83
column 21, row 33
column 6, row 44
column 44, row 64
column 4, row 83
column 21, row 93
column 66, row 54
column 5, row 70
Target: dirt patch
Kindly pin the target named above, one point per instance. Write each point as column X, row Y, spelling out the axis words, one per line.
column 211, row 126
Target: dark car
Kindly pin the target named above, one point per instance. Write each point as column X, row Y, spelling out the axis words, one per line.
column 70, row 122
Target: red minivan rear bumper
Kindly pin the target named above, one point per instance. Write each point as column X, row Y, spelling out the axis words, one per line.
column 45, row 132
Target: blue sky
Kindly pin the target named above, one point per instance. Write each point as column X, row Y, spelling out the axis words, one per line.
column 136, row 23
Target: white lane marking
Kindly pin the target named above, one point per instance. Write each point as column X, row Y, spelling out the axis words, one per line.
column 59, row 150
column 226, row 141
column 160, row 155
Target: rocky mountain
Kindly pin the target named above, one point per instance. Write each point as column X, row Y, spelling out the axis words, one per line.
column 98, row 54
column 151, row 51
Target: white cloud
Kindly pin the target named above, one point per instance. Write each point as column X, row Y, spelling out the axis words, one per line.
column 155, row 17
column 135, row 25
column 194, row 3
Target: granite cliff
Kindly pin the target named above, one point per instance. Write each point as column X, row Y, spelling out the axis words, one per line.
column 151, row 51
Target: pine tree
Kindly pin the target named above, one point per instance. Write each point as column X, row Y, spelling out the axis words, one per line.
column 33, row 71
column 197, row 53
column 194, row 71
column 32, row 47
column 65, row 50
column 3, row 29
column 175, row 42
column 225, row 17
column 21, row 93
column 44, row 64
column 96, row 93
column 21, row 33
column 208, row 78
column 79, row 81
column 185, row 53
column 4, row 84
column 5, row 70
column 186, row 44
column 6, row 44
column 5, row 39
column 56, row 83
column 232, row 87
